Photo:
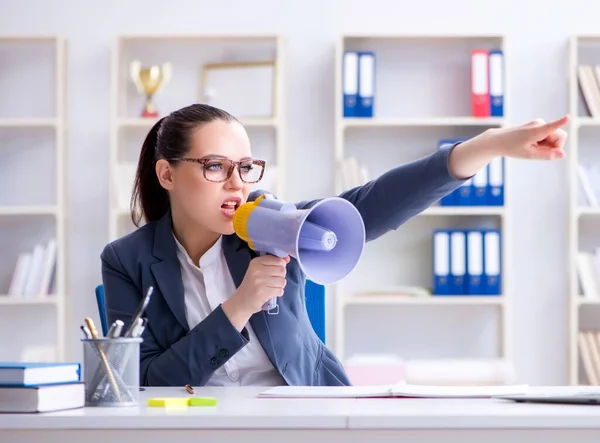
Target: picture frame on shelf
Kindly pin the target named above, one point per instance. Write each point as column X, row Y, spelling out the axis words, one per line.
column 244, row 89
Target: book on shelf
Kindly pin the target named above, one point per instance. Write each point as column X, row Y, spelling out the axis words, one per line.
column 486, row 188
column 588, row 79
column 34, row 273
column 588, row 176
column 467, row 262
column 589, row 349
column 588, row 271
column 351, row 173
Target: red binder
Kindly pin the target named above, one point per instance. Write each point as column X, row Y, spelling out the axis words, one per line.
column 480, row 83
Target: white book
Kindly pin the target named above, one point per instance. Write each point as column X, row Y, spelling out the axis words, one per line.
column 17, row 285
column 34, row 275
column 400, row 390
column 48, row 265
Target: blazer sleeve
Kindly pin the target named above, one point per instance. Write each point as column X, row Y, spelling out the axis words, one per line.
column 191, row 359
column 402, row 192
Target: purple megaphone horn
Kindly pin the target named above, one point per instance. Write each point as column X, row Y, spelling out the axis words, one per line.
column 326, row 239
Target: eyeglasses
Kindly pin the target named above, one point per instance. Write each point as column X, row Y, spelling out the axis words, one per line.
column 219, row 170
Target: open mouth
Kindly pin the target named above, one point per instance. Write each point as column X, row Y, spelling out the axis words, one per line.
column 230, row 205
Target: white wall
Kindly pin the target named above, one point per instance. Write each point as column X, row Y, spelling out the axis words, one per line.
column 537, row 35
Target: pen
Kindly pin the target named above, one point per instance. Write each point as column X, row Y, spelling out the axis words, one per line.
column 111, row 377
column 139, row 312
column 115, row 329
column 189, row 389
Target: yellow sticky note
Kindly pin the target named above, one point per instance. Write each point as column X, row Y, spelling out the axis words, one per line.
column 168, row 402
column 203, row 401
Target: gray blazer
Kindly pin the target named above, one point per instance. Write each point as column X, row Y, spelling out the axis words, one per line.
column 174, row 355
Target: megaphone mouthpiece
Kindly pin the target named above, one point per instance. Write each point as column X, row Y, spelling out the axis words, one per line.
column 316, row 238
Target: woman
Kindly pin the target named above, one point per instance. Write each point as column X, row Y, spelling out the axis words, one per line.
column 205, row 322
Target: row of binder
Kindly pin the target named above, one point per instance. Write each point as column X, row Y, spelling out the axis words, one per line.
column 487, row 83
column 485, row 188
column 467, row 262
column 358, row 80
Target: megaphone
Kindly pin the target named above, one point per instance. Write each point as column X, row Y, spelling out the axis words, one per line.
column 326, row 239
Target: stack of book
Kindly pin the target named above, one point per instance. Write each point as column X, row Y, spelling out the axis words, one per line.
column 40, row 387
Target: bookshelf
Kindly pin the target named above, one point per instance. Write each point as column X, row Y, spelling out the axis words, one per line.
column 583, row 216
column 33, row 214
column 188, row 55
column 422, row 94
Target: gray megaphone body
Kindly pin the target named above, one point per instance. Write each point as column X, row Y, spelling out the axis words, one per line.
column 327, row 239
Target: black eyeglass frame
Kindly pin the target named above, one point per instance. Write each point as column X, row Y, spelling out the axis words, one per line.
column 234, row 163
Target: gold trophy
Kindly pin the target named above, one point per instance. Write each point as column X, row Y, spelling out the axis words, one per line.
column 150, row 81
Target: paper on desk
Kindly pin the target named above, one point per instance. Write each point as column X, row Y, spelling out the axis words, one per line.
column 401, row 390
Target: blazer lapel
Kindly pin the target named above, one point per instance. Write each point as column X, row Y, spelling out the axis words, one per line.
column 167, row 272
column 238, row 256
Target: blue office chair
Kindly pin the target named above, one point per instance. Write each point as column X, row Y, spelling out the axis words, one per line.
column 314, row 295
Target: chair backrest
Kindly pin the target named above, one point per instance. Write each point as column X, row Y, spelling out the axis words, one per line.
column 314, row 294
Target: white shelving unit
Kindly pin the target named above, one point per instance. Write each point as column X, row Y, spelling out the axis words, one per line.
column 422, row 95
column 33, row 210
column 187, row 54
column 583, row 218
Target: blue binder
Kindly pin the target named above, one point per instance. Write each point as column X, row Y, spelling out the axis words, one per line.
column 496, row 72
column 441, row 262
column 479, row 188
column 475, row 280
column 458, row 262
column 492, row 263
column 350, row 83
column 366, row 83
column 495, row 188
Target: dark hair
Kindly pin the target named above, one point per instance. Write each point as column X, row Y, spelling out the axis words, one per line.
column 168, row 138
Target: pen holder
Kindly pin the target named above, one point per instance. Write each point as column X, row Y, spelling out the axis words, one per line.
column 111, row 371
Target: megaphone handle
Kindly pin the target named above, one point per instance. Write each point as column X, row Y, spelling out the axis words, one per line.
column 271, row 306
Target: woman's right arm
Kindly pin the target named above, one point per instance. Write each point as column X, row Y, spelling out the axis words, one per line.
column 190, row 360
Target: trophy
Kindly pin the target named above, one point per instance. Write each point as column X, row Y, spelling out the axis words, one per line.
column 150, row 81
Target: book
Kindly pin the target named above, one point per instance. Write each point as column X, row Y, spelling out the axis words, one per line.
column 399, row 391
column 38, row 373
column 17, row 399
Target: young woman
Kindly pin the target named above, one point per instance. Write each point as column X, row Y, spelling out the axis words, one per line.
column 205, row 322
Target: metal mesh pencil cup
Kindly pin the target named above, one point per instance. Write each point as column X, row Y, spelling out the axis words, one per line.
column 111, row 371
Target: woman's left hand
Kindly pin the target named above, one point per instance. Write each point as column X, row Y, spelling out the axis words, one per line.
column 536, row 140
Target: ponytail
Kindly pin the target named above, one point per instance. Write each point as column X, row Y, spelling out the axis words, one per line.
column 149, row 200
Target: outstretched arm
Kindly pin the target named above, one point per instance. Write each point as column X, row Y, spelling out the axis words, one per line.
column 404, row 191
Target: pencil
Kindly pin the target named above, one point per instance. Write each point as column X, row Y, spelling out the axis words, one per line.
column 111, row 377
column 189, row 389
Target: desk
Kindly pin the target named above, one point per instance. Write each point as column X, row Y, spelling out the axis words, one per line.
column 241, row 417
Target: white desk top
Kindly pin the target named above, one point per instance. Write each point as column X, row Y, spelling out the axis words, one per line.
column 240, row 408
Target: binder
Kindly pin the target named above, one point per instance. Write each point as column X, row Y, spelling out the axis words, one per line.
column 492, row 262
column 480, row 187
column 480, row 98
column 350, row 83
column 495, row 188
column 458, row 262
column 441, row 262
column 366, row 83
column 496, row 69
column 475, row 283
